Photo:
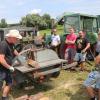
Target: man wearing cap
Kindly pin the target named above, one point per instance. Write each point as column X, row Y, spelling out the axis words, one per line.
column 7, row 54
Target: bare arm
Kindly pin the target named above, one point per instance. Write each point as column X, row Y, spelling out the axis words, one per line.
column 59, row 42
column 69, row 42
column 87, row 47
column 3, row 61
column 16, row 52
column 97, row 59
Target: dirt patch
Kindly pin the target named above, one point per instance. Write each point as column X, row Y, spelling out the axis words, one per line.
column 44, row 98
column 68, row 85
column 31, row 97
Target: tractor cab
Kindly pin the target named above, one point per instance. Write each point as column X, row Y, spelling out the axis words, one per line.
column 87, row 23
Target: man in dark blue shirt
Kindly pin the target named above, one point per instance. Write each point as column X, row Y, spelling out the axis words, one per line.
column 7, row 54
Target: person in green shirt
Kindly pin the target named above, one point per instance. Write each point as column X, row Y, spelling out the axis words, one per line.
column 93, row 40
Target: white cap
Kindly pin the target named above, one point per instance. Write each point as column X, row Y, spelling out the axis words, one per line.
column 14, row 33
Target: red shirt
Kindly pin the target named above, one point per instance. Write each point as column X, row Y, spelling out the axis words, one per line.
column 71, row 37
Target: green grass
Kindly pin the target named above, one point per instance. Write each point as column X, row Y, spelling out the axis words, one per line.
column 60, row 30
column 47, row 31
column 68, row 86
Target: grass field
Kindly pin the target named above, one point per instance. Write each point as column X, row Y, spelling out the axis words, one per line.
column 68, row 86
column 48, row 31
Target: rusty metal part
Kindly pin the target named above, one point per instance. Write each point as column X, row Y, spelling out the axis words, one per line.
column 32, row 63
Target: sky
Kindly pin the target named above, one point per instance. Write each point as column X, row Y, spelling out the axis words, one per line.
column 14, row 10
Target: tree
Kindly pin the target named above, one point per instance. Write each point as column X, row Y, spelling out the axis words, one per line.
column 35, row 20
column 23, row 21
column 3, row 23
column 31, row 20
column 47, row 19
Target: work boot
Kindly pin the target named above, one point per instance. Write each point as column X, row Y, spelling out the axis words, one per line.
column 82, row 66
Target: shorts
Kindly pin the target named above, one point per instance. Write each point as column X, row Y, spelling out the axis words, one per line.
column 93, row 80
column 5, row 76
column 80, row 57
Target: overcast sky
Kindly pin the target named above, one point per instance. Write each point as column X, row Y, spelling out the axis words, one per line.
column 13, row 10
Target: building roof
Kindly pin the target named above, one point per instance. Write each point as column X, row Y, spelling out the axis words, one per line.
column 59, row 18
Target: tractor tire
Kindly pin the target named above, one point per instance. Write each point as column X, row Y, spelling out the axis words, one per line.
column 56, row 74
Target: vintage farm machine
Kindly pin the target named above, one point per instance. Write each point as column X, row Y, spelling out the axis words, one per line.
column 32, row 64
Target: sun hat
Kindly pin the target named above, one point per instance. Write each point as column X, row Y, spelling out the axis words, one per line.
column 14, row 33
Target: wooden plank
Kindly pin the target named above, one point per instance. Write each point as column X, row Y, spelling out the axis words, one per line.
column 51, row 62
column 69, row 65
column 26, row 69
column 46, row 72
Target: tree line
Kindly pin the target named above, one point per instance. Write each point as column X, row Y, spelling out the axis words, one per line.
column 32, row 20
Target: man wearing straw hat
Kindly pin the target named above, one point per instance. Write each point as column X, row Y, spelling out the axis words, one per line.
column 7, row 54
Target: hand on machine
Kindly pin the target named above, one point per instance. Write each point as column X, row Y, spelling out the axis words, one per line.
column 11, row 68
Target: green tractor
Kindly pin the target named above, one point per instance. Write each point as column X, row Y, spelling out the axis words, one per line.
column 88, row 23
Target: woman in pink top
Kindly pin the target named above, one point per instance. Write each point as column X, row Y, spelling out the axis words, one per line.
column 70, row 46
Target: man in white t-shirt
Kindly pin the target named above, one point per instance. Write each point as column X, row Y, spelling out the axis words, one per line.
column 55, row 41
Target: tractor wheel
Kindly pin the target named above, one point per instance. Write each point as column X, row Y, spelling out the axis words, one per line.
column 28, row 46
column 19, row 47
column 56, row 74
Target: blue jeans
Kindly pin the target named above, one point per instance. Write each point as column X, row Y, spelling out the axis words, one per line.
column 70, row 53
column 80, row 57
column 93, row 80
column 5, row 76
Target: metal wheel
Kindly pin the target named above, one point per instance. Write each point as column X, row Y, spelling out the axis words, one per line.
column 29, row 46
